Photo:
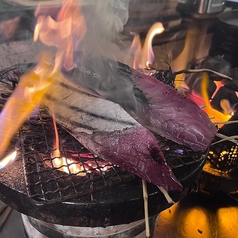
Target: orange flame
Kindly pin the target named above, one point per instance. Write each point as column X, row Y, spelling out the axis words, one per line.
column 26, row 97
column 60, row 162
column 145, row 56
column 69, row 165
column 215, row 115
column 8, row 159
column 65, row 32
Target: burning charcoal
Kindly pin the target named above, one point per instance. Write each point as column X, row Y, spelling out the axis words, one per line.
column 223, row 156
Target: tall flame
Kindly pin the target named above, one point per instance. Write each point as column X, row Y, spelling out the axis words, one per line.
column 146, row 55
column 215, row 115
column 26, row 97
column 65, row 32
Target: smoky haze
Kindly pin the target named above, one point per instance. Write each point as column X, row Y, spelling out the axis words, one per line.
column 102, row 47
column 98, row 50
column 105, row 21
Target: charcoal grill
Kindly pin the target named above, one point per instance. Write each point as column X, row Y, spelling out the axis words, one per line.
column 92, row 197
column 97, row 196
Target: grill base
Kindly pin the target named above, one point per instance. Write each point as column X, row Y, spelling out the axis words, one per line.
column 36, row 228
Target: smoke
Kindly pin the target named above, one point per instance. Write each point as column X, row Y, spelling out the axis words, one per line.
column 105, row 21
column 98, row 53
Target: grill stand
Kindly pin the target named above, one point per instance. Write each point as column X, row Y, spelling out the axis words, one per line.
column 39, row 229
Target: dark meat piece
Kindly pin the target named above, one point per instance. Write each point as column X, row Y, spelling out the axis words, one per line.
column 155, row 105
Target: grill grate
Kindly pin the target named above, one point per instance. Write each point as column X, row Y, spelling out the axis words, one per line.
column 85, row 174
column 45, row 177
column 45, row 180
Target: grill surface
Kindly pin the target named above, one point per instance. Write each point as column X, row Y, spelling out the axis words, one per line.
column 94, row 196
column 45, row 181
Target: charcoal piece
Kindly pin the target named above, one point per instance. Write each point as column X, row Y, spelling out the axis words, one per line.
column 218, row 64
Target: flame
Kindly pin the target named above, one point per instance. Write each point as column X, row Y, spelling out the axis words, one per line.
column 8, row 159
column 215, row 115
column 135, row 50
column 185, row 56
column 60, row 162
column 145, row 56
column 194, row 48
column 26, row 97
column 65, row 32
column 69, row 165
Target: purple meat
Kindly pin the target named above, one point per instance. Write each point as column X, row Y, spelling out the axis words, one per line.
column 128, row 140
column 173, row 115
column 155, row 105
column 111, row 133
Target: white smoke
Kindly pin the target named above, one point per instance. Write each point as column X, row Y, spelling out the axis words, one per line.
column 105, row 21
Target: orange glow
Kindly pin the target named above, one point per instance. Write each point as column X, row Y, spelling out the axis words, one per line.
column 145, row 55
column 185, row 56
column 227, row 221
column 71, row 166
column 8, row 159
column 63, row 164
column 26, row 97
column 65, row 32
column 67, row 165
column 135, row 50
column 215, row 115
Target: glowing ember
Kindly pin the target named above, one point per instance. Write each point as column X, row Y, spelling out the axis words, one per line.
column 72, row 165
column 8, row 159
column 67, row 165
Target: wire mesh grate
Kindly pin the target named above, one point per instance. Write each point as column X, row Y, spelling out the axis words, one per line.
column 54, row 175
column 74, row 172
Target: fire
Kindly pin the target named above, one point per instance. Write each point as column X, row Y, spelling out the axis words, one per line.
column 215, row 115
column 67, row 165
column 63, row 164
column 144, row 56
column 204, row 102
column 26, row 97
column 73, row 166
column 8, row 159
column 65, row 32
